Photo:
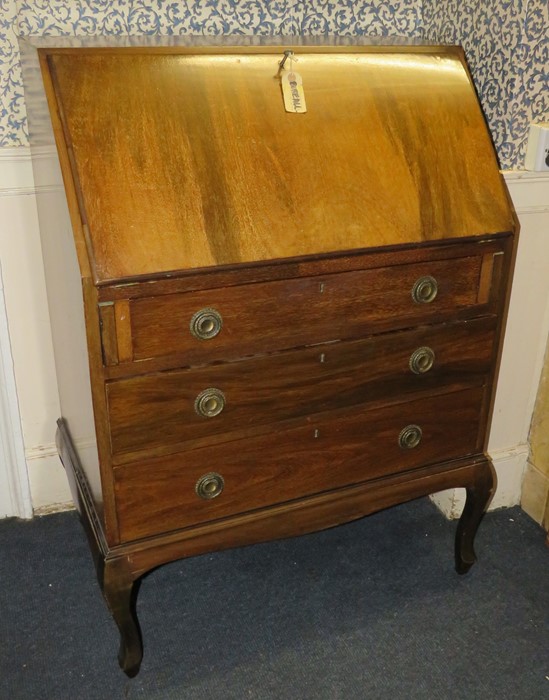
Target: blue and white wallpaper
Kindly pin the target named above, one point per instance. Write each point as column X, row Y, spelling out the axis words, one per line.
column 507, row 42
column 507, row 47
column 208, row 17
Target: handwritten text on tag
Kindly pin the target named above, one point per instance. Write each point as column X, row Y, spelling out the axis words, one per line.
column 292, row 91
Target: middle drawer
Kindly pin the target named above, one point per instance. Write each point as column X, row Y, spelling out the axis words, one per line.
column 162, row 412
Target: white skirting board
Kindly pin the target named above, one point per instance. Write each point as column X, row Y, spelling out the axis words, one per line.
column 509, row 465
column 48, row 481
column 33, row 369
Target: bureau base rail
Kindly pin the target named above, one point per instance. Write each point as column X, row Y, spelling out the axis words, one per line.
column 120, row 568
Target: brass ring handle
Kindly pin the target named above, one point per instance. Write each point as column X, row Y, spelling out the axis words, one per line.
column 425, row 290
column 421, row 360
column 209, row 403
column 209, row 486
column 410, row 437
column 206, row 324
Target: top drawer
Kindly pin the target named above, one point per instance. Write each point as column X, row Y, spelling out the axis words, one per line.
column 270, row 316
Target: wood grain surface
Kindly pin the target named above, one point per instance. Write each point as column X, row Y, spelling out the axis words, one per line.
column 159, row 495
column 275, row 315
column 189, row 161
column 156, row 412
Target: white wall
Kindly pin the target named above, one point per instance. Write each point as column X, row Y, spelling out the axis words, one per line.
column 29, row 333
column 34, row 369
column 15, row 495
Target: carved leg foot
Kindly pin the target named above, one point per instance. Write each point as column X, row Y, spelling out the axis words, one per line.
column 479, row 495
column 120, row 591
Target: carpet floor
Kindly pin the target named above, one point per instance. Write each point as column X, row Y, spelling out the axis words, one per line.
column 372, row 609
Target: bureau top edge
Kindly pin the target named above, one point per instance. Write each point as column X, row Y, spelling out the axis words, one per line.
column 190, row 42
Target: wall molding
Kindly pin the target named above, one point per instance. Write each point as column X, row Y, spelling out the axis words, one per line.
column 16, row 170
column 50, row 449
column 41, row 452
column 26, row 191
column 17, row 154
column 14, row 154
column 529, row 191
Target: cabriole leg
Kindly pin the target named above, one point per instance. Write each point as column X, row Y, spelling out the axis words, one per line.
column 479, row 495
column 120, row 590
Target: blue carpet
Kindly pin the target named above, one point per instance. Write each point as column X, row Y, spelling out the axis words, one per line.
column 372, row 609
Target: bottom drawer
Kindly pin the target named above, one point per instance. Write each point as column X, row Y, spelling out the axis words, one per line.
column 159, row 495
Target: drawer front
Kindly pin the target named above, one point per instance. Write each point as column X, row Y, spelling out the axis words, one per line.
column 159, row 495
column 163, row 410
column 272, row 316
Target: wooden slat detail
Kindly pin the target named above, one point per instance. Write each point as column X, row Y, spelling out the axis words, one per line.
column 497, row 273
column 123, row 330
column 485, row 285
column 485, row 281
column 108, row 334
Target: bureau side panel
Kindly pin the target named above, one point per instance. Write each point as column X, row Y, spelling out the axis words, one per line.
column 501, row 286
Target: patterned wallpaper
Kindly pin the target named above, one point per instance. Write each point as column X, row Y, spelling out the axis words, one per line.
column 506, row 42
column 210, row 17
column 12, row 108
column 507, row 46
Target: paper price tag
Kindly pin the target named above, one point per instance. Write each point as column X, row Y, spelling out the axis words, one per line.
column 292, row 91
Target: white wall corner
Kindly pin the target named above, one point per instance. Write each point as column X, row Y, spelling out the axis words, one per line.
column 29, row 477
column 15, row 495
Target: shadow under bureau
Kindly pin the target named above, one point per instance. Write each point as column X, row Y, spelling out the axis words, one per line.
column 266, row 322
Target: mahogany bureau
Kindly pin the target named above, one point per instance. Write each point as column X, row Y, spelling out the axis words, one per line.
column 266, row 322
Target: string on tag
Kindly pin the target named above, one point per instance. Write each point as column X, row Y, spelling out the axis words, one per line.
column 288, row 54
